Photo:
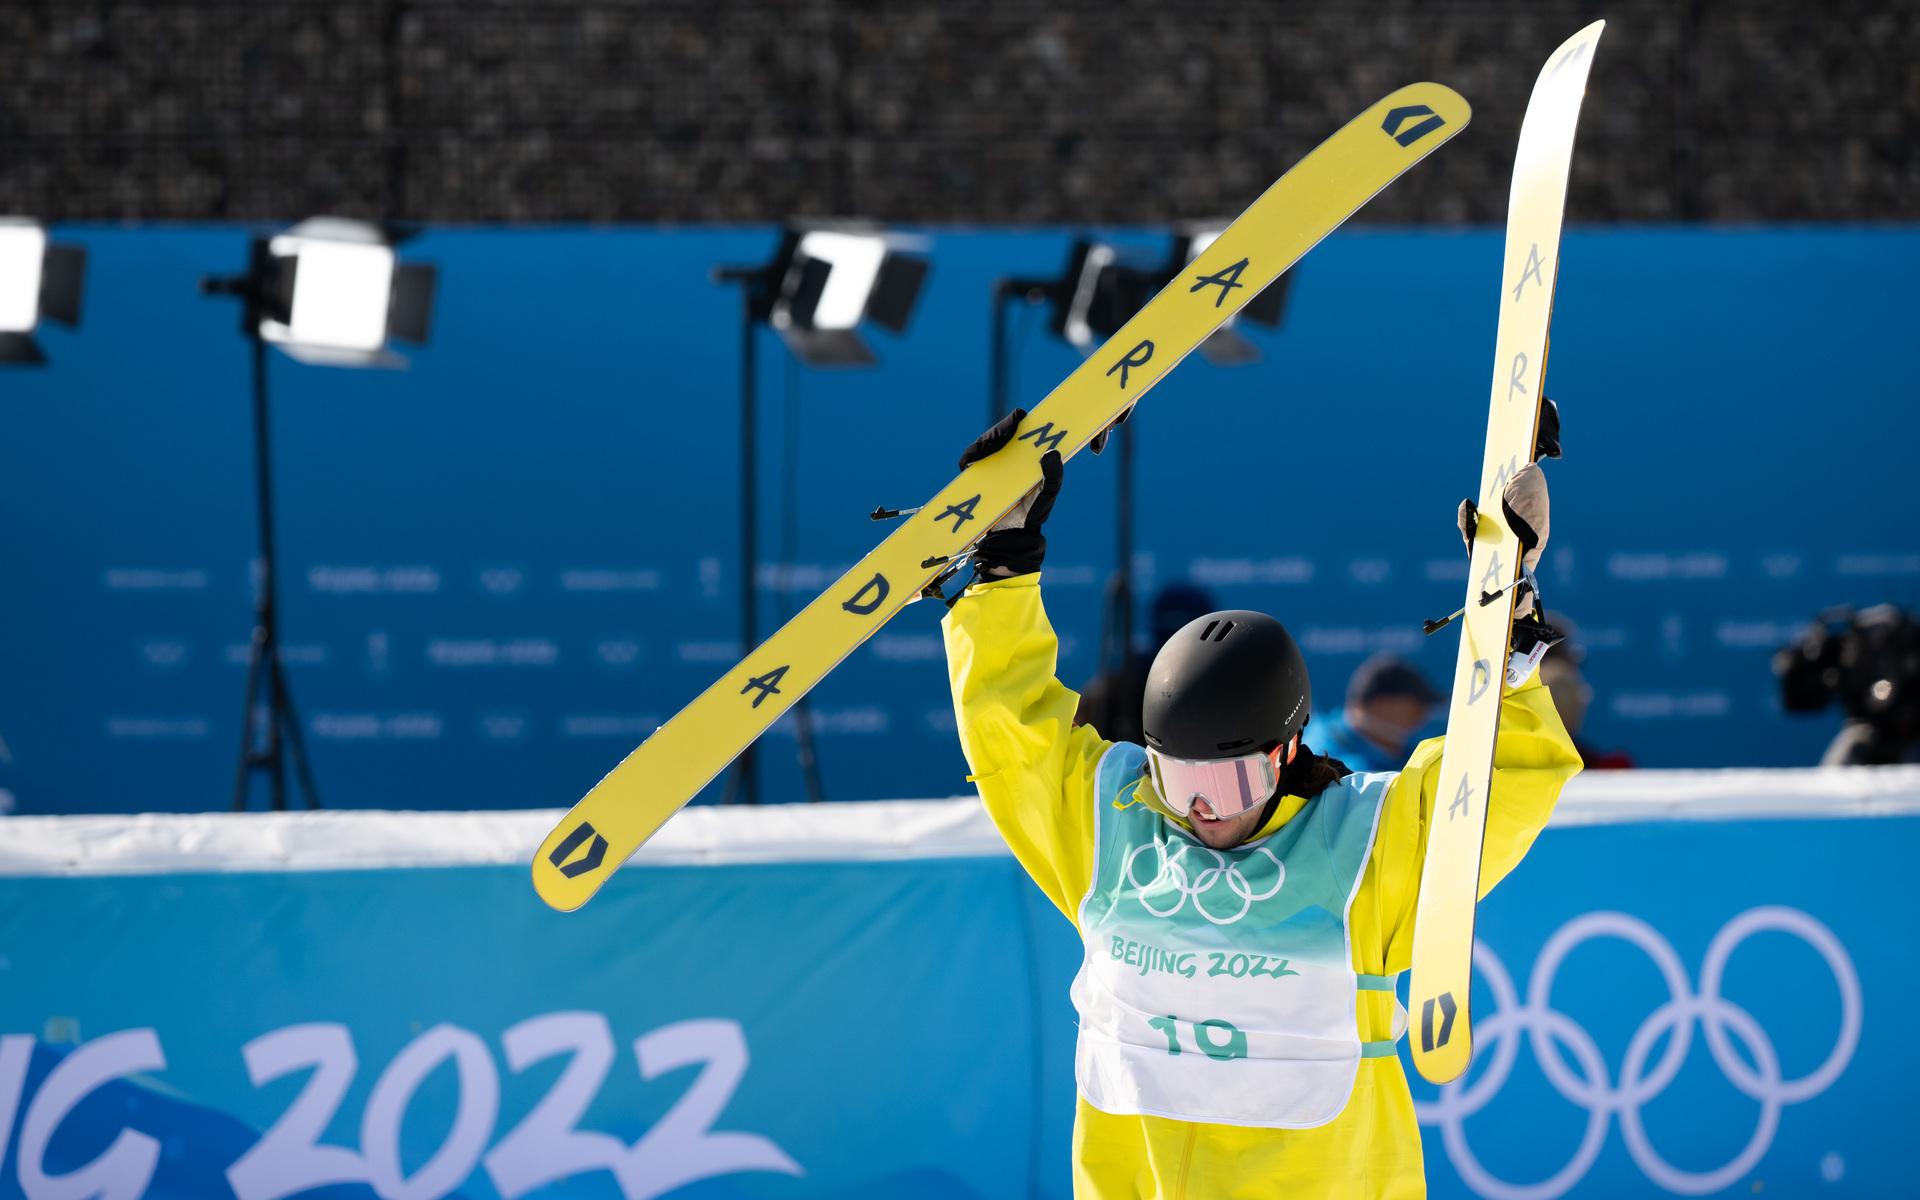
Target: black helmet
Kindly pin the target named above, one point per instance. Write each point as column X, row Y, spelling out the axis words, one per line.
column 1228, row 683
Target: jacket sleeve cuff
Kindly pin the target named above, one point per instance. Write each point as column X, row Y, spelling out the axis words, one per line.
column 1522, row 665
column 1011, row 582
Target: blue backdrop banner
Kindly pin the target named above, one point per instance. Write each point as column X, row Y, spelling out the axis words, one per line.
column 502, row 567
column 1683, row 1007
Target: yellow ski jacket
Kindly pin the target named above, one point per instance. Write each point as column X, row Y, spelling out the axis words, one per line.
column 1035, row 772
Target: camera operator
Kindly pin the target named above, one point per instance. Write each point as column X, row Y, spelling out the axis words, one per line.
column 1870, row 662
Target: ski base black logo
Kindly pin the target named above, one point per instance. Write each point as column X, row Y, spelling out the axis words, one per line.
column 1400, row 116
column 1428, row 1042
column 596, row 852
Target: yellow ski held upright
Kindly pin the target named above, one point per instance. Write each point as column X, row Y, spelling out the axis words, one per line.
column 1442, row 1028
column 1310, row 201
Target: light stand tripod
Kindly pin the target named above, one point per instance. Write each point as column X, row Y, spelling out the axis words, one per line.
column 756, row 293
column 1005, row 292
column 1116, row 640
column 269, row 727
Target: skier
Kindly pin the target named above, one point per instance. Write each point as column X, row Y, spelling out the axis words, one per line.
column 1244, row 904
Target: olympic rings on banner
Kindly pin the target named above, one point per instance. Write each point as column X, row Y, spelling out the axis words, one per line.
column 1587, row 1081
column 1173, row 869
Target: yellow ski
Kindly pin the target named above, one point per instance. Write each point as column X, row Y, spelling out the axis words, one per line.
column 1442, row 1032
column 1304, row 205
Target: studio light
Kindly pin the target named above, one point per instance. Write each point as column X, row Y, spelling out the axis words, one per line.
column 827, row 280
column 334, row 293
column 329, row 292
column 824, row 282
column 39, row 280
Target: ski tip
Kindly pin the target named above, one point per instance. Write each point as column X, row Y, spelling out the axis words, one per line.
column 1428, row 86
column 1575, row 53
column 1446, row 1064
column 559, row 899
column 1410, row 113
column 1586, row 37
column 557, row 903
column 1441, row 1034
column 571, row 865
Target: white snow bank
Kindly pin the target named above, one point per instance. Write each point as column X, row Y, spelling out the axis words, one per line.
column 339, row 839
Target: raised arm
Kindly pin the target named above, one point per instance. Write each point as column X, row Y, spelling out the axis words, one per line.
column 1033, row 767
column 1533, row 755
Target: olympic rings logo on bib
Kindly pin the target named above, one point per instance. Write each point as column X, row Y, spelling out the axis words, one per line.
column 1192, row 886
column 1591, row 1086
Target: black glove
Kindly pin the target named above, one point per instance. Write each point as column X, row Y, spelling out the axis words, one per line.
column 1532, row 632
column 1015, row 545
column 1099, row 441
column 993, row 439
column 1546, row 442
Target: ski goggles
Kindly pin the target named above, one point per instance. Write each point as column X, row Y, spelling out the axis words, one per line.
column 1230, row 786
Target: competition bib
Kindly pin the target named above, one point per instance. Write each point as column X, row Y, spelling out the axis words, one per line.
column 1218, row 985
